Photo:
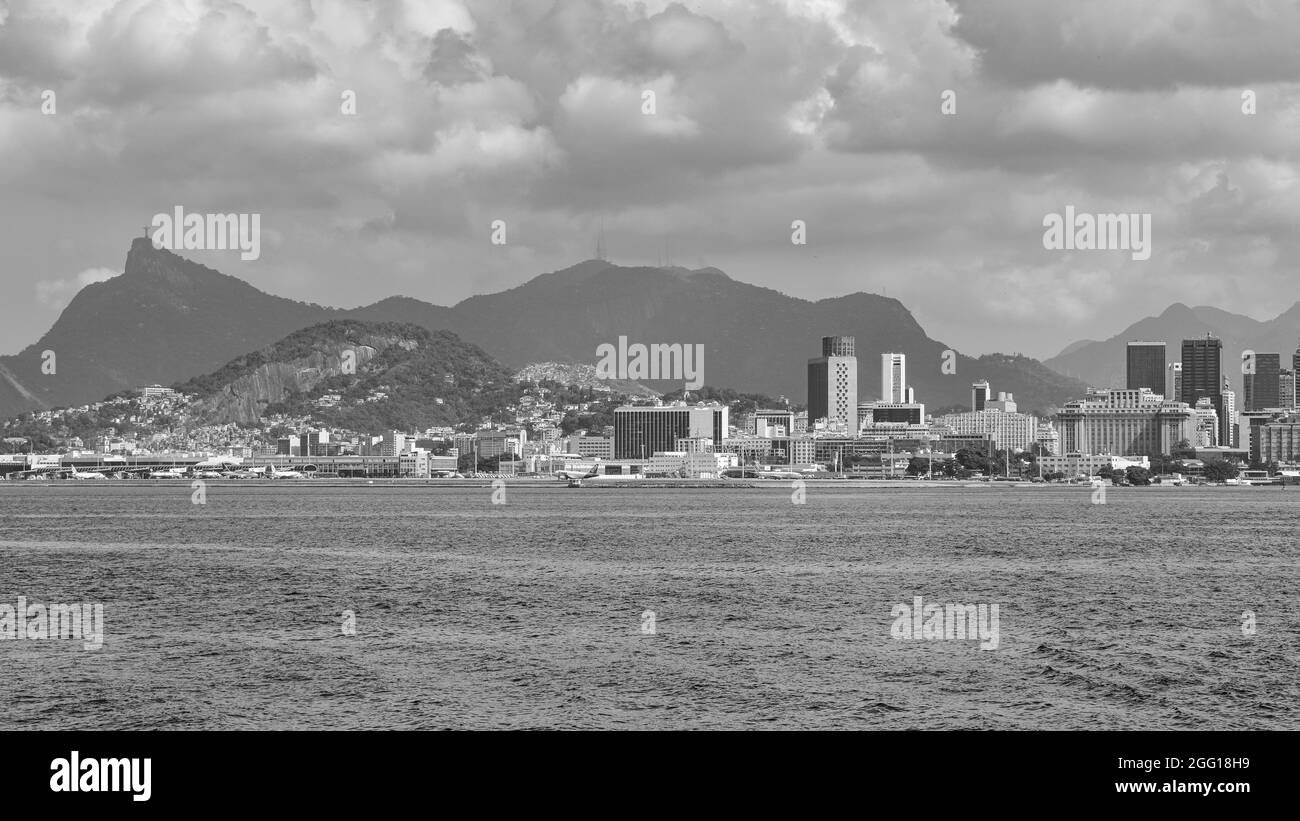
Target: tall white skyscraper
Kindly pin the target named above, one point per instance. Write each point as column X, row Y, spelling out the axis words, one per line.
column 893, row 377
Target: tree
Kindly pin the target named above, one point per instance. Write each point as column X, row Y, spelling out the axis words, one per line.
column 975, row 461
column 1138, row 476
column 1105, row 471
column 918, row 466
column 1219, row 470
column 1183, row 450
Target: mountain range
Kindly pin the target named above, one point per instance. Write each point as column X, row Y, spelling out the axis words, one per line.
column 1102, row 363
column 167, row 319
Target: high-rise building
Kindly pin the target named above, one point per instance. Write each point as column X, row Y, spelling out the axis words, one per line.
column 1262, row 388
column 1227, row 415
column 1286, row 388
column 1174, row 381
column 1122, row 423
column 893, row 377
column 1201, row 373
column 833, row 383
column 642, row 430
column 1202, row 377
column 979, row 394
column 1145, row 366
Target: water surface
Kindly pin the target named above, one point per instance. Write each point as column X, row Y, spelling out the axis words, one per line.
column 768, row 614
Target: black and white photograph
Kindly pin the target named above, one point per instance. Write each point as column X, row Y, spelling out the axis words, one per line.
column 650, row 366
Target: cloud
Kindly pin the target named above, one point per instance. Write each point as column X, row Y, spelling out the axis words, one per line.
column 766, row 111
column 56, row 293
column 1116, row 45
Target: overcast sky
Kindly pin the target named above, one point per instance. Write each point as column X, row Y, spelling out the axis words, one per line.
column 766, row 112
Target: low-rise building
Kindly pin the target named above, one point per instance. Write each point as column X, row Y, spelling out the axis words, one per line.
column 1087, row 464
column 694, row 465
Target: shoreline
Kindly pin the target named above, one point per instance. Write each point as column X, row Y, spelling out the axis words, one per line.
column 614, row 483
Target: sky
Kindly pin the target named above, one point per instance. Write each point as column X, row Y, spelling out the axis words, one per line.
column 836, row 113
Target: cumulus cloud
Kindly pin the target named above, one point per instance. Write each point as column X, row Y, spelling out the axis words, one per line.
column 765, row 112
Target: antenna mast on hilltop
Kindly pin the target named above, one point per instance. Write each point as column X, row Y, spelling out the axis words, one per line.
column 600, row 241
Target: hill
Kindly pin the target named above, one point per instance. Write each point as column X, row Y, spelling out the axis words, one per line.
column 356, row 375
column 166, row 320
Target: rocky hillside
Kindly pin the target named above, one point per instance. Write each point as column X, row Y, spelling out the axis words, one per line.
column 356, row 375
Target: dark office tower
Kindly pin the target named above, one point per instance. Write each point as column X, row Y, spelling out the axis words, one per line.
column 979, row 394
column 1146, row 366
column 1201, row 374
column 1295, row 362
column 1262, row 385
column 833, row 384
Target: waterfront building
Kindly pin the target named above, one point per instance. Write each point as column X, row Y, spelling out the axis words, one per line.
column 1123, row 421
column 688, row 464
column 753, row 450
column 1276, row 440
column 1145, row 366
column 641, row 430
column 1087, row 464
column 833, row 383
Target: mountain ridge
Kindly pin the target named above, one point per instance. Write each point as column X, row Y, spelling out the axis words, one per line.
column 168, row 319
column 1102, row 362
